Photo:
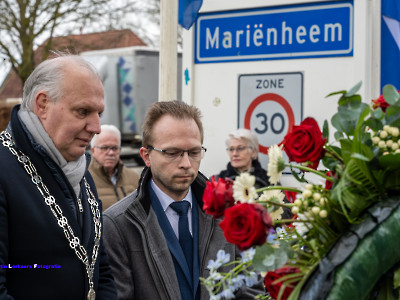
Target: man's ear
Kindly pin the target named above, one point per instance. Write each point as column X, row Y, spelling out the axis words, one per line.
column 41, row 106
column 145, row 154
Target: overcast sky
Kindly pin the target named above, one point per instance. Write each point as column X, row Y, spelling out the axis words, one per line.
column 137, row 22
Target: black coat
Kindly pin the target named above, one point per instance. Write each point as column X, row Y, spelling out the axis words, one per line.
column 262, row 178
column 30, row 236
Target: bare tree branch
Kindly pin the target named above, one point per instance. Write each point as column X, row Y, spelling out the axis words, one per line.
column 26, row 24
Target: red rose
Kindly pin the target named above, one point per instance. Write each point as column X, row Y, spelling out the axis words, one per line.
column 304, row 143
column 328, row 184
column 246, row 225
column 291, row 196
column 273, row 287
column 380, row 102
column 218, row 196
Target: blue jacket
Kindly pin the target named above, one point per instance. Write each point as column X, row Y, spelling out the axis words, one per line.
column 36, row 261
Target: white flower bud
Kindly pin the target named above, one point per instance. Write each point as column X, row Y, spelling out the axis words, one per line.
column 375, row 140
column 382, row 144
column 395, row 146
column 397, row 151
column 307, row 193
column 316, row 196
column 315, row 210
column 297, row 202
column 389, row 143
column 308, row 186
column 323, row 213
column 383, row 134
column 386, row 128
column 395, row 131
column 323, row 200
column 295, row 210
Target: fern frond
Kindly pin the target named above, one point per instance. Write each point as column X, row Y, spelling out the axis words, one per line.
column 358, row 189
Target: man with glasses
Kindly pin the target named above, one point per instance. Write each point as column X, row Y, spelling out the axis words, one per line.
column 159, row 239
column 113, row 180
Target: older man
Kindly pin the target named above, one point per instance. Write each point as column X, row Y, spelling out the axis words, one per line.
column 113, row 180
column 50, row 217
column 160, row 240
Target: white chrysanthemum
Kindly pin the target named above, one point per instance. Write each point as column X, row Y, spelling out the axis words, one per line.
column 243, row 188
column 276, row 163
column 276, row 196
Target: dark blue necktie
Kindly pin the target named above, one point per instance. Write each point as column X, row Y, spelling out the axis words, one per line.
column 185, row 238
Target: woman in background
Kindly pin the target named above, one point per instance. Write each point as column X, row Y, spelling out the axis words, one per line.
column 242, row 148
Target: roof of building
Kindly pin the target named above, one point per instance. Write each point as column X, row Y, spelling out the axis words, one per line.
column 75, row 44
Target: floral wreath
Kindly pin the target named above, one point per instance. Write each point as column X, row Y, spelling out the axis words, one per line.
column 342, row 240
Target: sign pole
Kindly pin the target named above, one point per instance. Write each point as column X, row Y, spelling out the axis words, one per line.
column 168, row 62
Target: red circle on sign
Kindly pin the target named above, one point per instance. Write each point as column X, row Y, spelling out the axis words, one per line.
column 263, row 98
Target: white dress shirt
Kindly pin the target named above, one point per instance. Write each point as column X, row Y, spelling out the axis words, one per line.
column 172, row 215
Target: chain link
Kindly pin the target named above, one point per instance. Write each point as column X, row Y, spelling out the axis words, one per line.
column 62, row 221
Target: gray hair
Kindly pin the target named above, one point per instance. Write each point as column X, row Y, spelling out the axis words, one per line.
column 242, row 133
column 48, row 77
column 107, row 128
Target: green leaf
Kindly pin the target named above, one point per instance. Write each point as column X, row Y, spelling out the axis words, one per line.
column 338, row 135
column 354, row 278
column 396, row 281
column 360, row 156
column 390, row 161
column 393, row 116
column 337, row 93
column 268, row 258
column 354, row 89
column 377, row 113
column 342, row 124
column 390, row 94
column 325, row 130
column 296, row 176
column 351, row 100
column 374, row 124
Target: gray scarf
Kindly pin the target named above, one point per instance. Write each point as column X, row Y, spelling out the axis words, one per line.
column 73, row 170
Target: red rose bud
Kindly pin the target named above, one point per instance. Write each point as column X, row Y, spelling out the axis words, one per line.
column 290, row 196
column 304, row 143
column 380, row 102
column 328, row 184
column 218, row 196
column 274, row 287
column 246, row 225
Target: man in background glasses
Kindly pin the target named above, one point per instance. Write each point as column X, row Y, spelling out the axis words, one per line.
column 113, row 180
column 157, row 249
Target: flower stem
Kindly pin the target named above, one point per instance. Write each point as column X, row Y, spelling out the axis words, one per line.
column 303, row 168
column 288, row 205
column 333, row 153
column 277, row 187
column 285, row 221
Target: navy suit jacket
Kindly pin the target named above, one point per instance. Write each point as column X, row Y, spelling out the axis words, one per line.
column 30, row 236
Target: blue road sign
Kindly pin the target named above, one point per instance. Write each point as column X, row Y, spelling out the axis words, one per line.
column 296, row 31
